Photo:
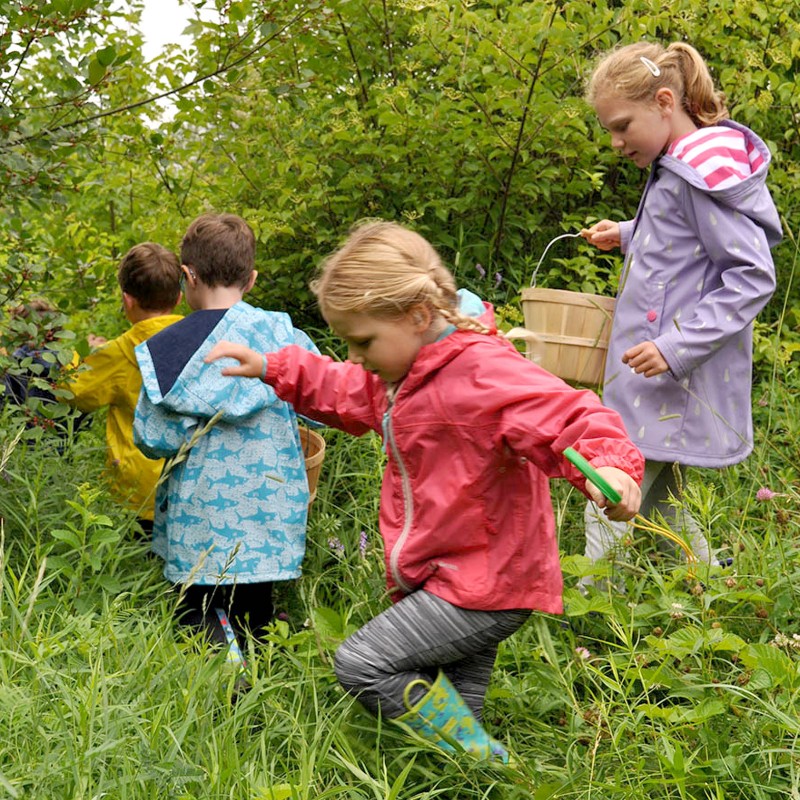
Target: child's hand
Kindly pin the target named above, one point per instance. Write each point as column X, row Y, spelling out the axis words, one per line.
column 96, row 341
column 251, row 362
column 631, row 494
column 604, row 235
column 645, row 359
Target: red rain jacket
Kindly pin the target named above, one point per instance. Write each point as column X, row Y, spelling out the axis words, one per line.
column 472, row 435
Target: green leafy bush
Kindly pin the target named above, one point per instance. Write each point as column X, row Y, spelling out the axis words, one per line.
column 464, row 120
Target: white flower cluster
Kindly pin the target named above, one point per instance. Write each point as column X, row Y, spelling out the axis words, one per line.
column 782, row 640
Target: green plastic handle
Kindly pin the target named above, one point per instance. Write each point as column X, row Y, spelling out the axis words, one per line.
column 591, row 474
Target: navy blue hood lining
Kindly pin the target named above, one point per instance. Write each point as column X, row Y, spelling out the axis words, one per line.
column 172, row 348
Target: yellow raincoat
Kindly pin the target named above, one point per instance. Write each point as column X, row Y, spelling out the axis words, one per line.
column 110, row 377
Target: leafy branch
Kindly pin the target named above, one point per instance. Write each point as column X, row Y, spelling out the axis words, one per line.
column 244, row 58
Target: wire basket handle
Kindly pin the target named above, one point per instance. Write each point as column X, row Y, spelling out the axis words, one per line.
column 549, row 245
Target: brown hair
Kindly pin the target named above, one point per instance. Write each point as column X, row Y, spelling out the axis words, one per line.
column 630, row 72
column 31, row 322
column 384, row 270
column 36, row 307
column 152, row 275
column 221, row 249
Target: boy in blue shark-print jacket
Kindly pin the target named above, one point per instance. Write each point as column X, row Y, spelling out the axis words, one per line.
column 231, row 511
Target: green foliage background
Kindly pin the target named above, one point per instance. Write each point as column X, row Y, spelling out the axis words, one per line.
column 464, row 120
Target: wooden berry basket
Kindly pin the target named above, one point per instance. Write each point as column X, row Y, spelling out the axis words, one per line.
column 314, row 451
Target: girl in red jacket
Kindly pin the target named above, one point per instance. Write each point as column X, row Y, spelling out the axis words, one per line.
column 472, row 432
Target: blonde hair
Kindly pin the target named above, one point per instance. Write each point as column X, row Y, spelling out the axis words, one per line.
column 636, row 72
column 384, row 270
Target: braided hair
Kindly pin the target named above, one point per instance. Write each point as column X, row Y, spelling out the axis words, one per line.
column 384, row 270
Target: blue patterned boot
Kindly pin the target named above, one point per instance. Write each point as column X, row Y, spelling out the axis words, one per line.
column 442, row 717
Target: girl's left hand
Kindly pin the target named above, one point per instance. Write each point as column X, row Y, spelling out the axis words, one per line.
column 631, row 494
column 251, row 362
column 645, row 359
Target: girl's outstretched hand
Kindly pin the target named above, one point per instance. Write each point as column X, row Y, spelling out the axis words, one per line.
column 604, row 235
column 251, row 362
column 631, row 494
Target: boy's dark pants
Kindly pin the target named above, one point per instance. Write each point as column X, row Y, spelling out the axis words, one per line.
column 248, row 606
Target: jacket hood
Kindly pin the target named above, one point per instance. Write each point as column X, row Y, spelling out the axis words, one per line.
column 432, row 357
column 143, row 330
column 176, row 378
column 749, row 196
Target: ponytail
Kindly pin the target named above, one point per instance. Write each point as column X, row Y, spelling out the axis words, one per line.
column 703, row 103
column 637, row 71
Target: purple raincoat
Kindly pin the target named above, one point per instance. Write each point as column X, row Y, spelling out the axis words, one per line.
column 698, row 269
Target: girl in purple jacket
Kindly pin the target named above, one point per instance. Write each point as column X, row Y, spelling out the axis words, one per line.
column 697, row 271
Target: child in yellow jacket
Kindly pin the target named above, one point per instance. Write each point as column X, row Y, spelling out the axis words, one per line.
column 149, row 276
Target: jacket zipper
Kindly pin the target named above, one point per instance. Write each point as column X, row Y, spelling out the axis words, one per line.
column 408, row 499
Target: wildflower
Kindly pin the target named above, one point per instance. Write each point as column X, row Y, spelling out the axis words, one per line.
column 283, row 616
column 765, row 494
column 362, row 544
column 498, row 279
column 677, row 611
column 780, row 640
column 583, row 653
column 335, row 545
column 480, row 270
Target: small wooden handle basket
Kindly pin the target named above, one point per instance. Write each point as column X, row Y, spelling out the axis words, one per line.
column 314, row 451
column 572, row 329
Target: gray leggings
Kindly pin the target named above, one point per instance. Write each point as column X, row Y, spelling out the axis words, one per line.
column 660, row 487
column 415, row 638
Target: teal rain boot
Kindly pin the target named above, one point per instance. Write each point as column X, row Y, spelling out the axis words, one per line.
column 442, row 717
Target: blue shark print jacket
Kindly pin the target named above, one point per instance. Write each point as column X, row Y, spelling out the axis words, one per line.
column 233, row 507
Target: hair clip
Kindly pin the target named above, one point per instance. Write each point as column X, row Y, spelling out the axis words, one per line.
column 651, row 65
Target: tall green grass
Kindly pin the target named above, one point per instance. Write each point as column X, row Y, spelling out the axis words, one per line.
column 682, row 686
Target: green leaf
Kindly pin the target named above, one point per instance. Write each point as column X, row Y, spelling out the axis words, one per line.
column 236, row 12
column 278, row 791
column 577, row 605
column 770, row 660
column 68, row 536
column 328, row 622
column 109, row 583
column 106, row 56
column 102, row 537
column 96, row 72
